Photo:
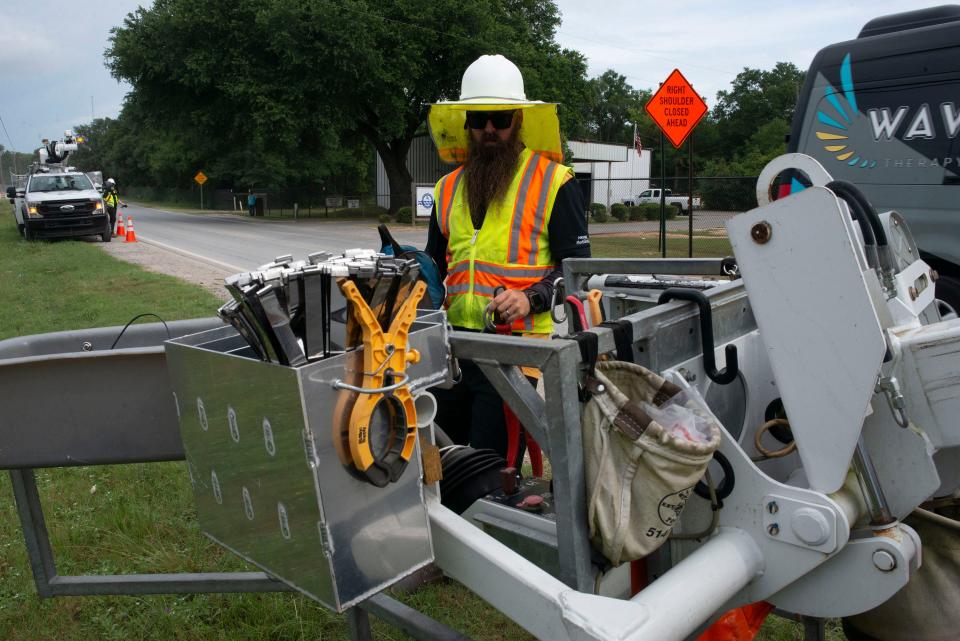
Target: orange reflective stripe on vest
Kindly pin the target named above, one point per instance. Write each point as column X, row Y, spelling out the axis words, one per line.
column 446, row 188
column 524, row 229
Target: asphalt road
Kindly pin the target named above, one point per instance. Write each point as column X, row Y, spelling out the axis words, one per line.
column 243, row 243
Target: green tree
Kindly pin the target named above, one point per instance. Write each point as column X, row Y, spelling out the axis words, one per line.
column 216, row 87
column 287, row 89
column 12, row 162
column 613, row 107
column 756, row 97
column 91, row 154
column 766, row 143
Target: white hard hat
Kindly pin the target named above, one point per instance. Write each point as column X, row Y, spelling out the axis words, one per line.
column 111, row 181
column 492, row 78
column 491, row 81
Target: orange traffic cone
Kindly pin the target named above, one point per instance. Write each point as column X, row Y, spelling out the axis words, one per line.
column 741, row 624
column 131, row 235
column 121, row 231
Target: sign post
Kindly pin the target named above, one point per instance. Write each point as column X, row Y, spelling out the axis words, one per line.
column 676, row 108
column 663, row 199
column 690, row 197
column 200, row 178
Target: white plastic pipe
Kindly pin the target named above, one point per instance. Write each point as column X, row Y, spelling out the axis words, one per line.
column 670, row 609
column 703, row 582
column 426, row 405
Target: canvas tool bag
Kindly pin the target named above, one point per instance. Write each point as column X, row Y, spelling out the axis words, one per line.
column 639, row 474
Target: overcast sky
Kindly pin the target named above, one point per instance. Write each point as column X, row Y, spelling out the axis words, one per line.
column 51, row 51
column 711, row 41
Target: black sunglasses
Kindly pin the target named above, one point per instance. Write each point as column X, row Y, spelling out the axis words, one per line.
column 500, row 119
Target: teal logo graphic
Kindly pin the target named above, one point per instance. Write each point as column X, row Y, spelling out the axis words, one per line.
column 837, row 121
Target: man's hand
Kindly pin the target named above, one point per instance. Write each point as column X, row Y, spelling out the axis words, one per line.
column 509, row 306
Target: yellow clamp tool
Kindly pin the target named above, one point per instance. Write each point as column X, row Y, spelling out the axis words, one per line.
column 385, row 354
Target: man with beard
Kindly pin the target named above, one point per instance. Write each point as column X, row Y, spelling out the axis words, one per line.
column 503, row 222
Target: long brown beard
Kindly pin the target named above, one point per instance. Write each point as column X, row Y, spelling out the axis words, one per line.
column 489, row 170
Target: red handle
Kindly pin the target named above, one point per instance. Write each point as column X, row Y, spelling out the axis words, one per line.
column 577, row 305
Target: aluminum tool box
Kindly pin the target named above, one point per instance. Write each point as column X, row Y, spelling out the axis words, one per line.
column 264, row 449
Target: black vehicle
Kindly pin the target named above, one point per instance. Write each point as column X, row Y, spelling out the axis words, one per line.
column 883, row 112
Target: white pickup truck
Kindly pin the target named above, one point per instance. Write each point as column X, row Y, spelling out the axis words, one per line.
column 56, row 201
column 652, row 197
column 59, row 204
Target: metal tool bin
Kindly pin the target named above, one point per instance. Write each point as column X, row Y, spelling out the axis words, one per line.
column 264, row 446
column 89, row 396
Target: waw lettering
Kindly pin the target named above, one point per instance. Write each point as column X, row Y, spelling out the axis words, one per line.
column 887, row 123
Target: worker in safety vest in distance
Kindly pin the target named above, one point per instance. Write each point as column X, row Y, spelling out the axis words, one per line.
column 111, row 198
column 502, row 222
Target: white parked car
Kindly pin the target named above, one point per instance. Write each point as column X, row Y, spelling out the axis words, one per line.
column 652, row 197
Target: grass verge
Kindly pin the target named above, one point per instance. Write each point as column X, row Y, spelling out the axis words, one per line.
column 71, row 284
column 140, row 518
column 645, row 245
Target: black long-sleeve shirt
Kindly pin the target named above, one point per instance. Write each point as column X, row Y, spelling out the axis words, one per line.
column 566, row 233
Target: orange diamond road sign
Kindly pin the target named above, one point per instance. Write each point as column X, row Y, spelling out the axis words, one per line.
column 676, row 108
column 200, row 178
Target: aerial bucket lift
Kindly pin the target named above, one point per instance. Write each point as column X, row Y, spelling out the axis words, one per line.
column 819, row 353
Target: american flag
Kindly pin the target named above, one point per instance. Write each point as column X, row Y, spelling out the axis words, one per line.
column 637, row 143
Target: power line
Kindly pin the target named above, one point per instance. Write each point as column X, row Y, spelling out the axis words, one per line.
column 474, row 40
column 646, row 52
column 471, row 39
column 13, row 152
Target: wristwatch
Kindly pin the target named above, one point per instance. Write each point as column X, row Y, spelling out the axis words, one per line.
column 535, row 298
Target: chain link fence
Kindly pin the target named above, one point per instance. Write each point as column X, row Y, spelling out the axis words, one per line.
column 627, row 217
column 307, row 202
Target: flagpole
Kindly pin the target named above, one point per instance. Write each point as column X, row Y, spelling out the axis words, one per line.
column 633, row 187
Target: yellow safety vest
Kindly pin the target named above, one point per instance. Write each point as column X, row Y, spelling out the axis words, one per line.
column 111, row 198
column 511, row 248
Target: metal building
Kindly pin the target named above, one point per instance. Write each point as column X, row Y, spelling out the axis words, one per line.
column 609, row 173
column 423, row 162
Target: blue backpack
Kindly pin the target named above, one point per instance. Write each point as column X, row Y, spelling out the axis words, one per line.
column 429, row 273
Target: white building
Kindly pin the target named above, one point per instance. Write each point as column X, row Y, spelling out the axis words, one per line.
column 607, row 173
column 610, row 173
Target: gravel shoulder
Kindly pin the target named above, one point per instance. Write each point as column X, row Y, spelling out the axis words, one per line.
column 163, row 261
